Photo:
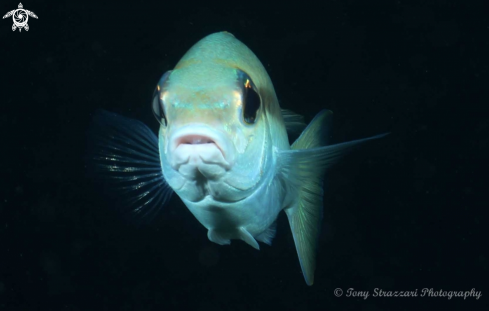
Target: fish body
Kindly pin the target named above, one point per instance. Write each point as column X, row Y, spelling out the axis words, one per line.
column 232, row 192
column 223, row 148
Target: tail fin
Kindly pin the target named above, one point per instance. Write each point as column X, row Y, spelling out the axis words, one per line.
column 304, row 167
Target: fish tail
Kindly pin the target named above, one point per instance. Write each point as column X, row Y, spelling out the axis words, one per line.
column 303, row 167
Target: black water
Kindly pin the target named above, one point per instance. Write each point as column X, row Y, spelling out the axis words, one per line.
column 403, row 214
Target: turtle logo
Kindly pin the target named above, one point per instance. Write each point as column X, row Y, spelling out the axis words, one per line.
column 20, row 17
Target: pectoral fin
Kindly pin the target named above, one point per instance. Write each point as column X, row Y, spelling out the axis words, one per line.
column 304, row 169
column 123, row 154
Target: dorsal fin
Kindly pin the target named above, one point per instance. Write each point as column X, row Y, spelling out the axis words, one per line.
column 317, row 132
column 294, row 123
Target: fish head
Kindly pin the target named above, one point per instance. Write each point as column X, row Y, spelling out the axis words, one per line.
column 213, row 138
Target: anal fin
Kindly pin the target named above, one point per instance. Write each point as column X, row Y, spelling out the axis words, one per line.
column 268, row 235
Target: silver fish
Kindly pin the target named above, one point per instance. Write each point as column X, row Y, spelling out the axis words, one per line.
column 223, row 148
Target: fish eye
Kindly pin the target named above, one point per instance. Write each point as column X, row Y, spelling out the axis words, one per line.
column 251, row 99
column 157, row 104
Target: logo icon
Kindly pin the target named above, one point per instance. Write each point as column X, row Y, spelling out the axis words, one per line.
column 20, row 17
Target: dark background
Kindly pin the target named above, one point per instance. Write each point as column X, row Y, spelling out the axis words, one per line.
column 404, row 213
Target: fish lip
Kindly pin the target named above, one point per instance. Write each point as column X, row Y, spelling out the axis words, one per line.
column 197, row 134
column 195, row 139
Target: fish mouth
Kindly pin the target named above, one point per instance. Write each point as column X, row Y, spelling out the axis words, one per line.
column 199, row 146
column 197, row 139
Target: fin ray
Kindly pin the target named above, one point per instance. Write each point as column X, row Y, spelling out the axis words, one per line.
column 294, row 123
column 124, row 154
column 215, row 237
column 248, row 238
column 316, row 133
column 268, row 235
column 304, row 166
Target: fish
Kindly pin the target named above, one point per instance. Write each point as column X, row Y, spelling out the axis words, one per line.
column 223, row 147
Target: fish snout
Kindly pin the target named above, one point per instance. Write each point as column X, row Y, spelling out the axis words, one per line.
column 198, row 148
